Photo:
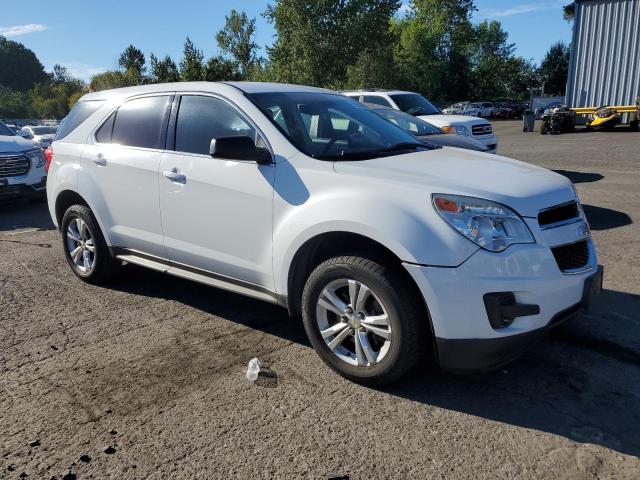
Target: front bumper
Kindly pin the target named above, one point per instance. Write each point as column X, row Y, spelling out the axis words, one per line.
column 491, row 141
column 465, row 339
column 33, row 183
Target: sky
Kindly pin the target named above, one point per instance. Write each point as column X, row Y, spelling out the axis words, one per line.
column 87, row 36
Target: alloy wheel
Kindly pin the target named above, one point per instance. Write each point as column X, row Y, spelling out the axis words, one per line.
column 80, row 245
column 353, row 322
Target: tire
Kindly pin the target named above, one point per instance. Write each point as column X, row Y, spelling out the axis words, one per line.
column 100, row 265
column 385, row 292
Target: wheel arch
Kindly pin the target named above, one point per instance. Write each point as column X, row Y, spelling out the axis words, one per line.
column 68, row 197
column 326, row 245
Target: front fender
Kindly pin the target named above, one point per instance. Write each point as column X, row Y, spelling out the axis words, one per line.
column 399, row 222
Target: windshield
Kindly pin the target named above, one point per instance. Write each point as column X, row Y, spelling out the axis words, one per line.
column 333, row 127
column 414, row 104
column 475, row 105
column 4, row 130
column 43, row 130
column 409, row 123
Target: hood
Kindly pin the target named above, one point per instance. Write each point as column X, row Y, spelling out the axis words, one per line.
column 45, row 138
column 14, row 143
column 457, row 141
column 444, row 120
column 521, row 186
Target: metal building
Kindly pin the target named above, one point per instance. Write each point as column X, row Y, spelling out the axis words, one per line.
column 604, row 68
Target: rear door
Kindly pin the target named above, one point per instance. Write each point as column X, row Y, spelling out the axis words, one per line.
column 216, row 213
column 120, row 173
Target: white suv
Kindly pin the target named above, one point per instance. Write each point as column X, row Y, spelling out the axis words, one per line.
column 387, row 247
column 415, row 104
column 22, row 167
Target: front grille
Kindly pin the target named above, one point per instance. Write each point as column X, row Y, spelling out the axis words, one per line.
column 482, row 129
column 572, row 256
column 15, row 165
column 558, row 213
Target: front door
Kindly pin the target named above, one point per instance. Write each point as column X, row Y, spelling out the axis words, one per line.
column 216, row 213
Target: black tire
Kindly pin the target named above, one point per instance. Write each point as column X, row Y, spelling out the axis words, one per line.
column 104, row 265
column 408, row 321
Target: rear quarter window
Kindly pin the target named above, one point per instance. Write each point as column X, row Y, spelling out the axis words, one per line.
column 78, row 114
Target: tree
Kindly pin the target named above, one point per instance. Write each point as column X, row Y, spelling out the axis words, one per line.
column 163, row 71
column 235, row 39
column 20, row 69
column 317, row 41
column 111, row 79
column 132, row 61
column 220, row 68
column 554, row 69
column 569, row 11
column 191, row 68
column 447, row 26
column 14, row 104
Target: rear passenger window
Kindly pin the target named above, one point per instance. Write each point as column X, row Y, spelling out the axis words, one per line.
column 376, row 100
column 141, row 122
column 202, row 118
column 103, row 135
column 78, row 114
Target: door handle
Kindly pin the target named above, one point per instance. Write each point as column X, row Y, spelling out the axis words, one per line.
column 99, row 160
column 174, row 176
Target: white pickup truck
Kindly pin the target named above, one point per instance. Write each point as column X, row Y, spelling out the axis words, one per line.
column 415, row 104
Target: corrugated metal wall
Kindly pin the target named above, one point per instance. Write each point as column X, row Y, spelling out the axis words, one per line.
column 604, row 68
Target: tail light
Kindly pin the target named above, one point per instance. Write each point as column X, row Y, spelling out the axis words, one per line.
column 48, row 157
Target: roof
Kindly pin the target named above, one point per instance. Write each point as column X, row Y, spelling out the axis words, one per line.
column 376, row 90
column 215, row 87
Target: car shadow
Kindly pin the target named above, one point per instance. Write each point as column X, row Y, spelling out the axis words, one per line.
column 550, row 389
column 601, row 218
column 24, row 215
column 580, row 177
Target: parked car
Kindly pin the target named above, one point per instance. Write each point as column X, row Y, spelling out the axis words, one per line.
column 480, row 109
column 425, row 131
column 415, row 104
column 40, row 135
column 456, row 108
column 21, row 166
column 386, row 247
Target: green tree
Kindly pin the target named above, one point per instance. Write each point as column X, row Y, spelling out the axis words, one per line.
column 163, row 71
column 132, row 61
column 220, row 68
column 191, row 67
column 447, row 34
column 14, row 104
column 569, row 11
column 236, row 39
column 317, row 41
column 554, row 69
column 20, row 69
column 111, row 79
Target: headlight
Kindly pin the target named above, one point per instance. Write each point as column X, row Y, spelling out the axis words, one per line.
column 457, row 129
column 36, row 157
column 487, row 224
column 461, row 130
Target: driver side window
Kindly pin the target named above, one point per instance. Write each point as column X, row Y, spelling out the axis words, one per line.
column 202, row 118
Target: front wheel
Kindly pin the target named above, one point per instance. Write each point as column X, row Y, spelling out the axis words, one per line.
column 362, row 319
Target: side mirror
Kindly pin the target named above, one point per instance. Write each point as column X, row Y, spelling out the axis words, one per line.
column 239, row 147
column 24, row 134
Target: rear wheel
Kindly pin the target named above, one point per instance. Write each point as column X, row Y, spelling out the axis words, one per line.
column 84, row 246
column 362, row 320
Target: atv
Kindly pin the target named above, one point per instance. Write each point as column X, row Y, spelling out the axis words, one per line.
column 558, row 120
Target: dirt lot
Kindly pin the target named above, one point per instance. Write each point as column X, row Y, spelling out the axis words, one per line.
column 145, row 379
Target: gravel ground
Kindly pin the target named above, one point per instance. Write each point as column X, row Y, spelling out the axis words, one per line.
column 145, row 378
